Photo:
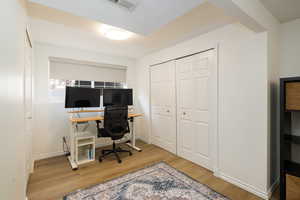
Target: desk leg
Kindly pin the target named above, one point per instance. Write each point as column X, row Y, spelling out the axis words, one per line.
column 73, row 164
column 131, row 144
column 71, row 158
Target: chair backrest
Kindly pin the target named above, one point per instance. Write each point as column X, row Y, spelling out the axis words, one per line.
column 116, row 121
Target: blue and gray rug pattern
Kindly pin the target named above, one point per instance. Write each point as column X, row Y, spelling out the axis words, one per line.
column 156, row 182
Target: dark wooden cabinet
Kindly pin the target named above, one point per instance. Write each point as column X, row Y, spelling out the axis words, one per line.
column 289, row 103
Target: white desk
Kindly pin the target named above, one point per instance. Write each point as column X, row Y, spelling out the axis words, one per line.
column 75, row 120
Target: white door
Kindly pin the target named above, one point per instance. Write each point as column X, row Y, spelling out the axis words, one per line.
column 163, row 106
column 196, row 97
column 28, row 106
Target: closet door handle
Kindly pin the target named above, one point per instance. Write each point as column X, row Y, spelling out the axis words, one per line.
column 184, row 113
column 168, row 111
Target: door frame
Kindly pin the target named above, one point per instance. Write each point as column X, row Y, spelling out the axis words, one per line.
column 28, row 47
column 216, row 103
column 216, row 113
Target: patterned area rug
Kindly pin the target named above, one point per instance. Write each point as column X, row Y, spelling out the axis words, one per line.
column 157, row 182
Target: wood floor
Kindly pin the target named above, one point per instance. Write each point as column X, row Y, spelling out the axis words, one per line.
column 53, row 177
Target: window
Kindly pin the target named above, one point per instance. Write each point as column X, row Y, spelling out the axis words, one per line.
column 119, row 85
column 57, row 84
column 57, row 87
column 109, row 85
column 87, row 84
column 99, row 84
column 61, row 84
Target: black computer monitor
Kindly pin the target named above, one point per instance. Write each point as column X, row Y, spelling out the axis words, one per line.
column 82, row 97
column 117, row 97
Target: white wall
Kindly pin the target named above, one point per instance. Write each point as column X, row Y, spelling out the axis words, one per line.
column 12, row 154
column 290, row 48
column 50, row 118
column 243, row 101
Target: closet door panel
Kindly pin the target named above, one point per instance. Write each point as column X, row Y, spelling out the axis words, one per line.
column 162, row 72
column 163, row 106
column 156, row 126
column 186, row 114
column 200, row 65
column 193, row 94
column 155, row 97
column 186, row 142
column 201, row 93
column 168, row 139
column 167, row 94
column 201, row 138
column 186, row 87
column 162, row 93
column 201, row 116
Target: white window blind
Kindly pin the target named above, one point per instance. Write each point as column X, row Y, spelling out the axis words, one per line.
column 86, row 71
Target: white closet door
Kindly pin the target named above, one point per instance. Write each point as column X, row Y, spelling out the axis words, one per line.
column 195, row 92
column 163, row 106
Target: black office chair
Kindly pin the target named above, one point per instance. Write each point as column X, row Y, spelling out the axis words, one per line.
column 115, row 127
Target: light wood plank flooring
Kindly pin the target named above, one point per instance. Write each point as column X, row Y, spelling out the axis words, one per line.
column 53, row 177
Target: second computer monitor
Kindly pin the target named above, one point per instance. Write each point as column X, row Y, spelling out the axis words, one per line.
column 117, row 97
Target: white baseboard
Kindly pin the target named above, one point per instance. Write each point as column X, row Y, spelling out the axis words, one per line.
column 245, row 186
column 60, row 153
column 47, row 155
column 32, row 167
column 143, row 140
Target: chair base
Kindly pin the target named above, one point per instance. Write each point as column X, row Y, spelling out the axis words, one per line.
column 114, row 151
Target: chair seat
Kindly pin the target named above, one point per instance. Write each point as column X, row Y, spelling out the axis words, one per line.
column 103, row 133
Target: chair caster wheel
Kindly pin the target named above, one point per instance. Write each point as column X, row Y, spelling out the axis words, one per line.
column 119, row 161
column 100, row 160
column 130, row 154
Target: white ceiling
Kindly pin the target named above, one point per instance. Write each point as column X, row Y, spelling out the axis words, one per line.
column 283, row 10
column 57, row 27
column 146, row 18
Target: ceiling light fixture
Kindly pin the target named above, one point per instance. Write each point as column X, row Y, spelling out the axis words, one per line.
column 130, row 5
column 114, row 33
